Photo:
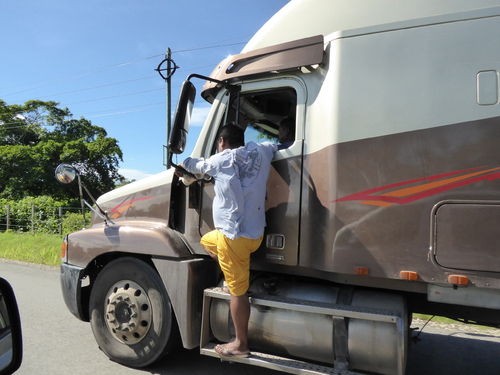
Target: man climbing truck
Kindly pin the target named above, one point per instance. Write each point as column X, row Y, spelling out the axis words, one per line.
column 386, row 203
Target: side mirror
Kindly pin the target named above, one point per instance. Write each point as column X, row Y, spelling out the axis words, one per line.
column 11, row 338
column 178, row 135
column 66, row 174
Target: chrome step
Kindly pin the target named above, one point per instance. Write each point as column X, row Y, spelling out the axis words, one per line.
column 291, row 366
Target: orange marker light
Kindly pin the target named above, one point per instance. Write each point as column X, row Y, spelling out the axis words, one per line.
column 64, row 253
column 458, row 280
column 408, row 275
column 361, row 270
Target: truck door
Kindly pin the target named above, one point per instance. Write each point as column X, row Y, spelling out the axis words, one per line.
column 260, row 108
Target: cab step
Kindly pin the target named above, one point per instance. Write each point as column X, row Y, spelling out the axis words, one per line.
column 291, row 366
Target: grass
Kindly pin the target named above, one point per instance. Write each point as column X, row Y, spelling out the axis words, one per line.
column 33, row 248
column 443, row 320
column 437, row 319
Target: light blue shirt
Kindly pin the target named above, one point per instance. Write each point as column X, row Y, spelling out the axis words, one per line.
column 240, row 187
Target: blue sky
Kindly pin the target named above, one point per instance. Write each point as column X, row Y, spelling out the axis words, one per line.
column 97, row 58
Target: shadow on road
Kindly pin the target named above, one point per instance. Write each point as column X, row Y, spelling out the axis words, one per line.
column 182, row 361
column 449, row 353
column 443, row 352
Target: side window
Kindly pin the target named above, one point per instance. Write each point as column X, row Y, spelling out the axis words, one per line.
column 267, row 115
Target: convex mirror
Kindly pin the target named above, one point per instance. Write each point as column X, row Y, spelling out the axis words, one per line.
column 66, row 173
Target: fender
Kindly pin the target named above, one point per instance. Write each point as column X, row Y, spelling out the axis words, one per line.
column 137, row 237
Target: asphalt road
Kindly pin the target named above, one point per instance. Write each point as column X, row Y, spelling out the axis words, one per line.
column 55, row 342
column 455, row 351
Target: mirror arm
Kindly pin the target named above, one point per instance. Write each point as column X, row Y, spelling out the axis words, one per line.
column 82, row 200
column 102, row 214
column 233, row 89
column 225, row 84
column 194, row 75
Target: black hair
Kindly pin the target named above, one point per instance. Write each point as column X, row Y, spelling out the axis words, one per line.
column 289, row 123
column 233, row 135
column 288, row 133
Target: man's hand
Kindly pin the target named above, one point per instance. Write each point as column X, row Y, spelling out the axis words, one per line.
column 186, row 178
column 179, row 172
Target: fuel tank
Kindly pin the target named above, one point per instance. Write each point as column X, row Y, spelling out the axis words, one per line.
column 371, row 345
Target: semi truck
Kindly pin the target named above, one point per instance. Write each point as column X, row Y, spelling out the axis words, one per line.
column 386, row 203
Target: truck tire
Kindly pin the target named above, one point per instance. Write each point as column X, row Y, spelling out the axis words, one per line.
column 131, row 314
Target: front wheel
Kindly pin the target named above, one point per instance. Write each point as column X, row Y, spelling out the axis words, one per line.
column 131, row 314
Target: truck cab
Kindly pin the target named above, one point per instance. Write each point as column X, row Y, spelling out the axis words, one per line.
column 384, row 203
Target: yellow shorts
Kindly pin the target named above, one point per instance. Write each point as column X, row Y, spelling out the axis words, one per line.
column 234, row 258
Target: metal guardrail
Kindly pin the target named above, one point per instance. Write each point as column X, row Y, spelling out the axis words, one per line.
column 32, row 223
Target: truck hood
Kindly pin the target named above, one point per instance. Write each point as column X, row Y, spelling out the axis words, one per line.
column 144, row 200
column 138, row 186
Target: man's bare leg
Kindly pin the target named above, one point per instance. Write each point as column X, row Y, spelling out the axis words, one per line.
column 240, row 312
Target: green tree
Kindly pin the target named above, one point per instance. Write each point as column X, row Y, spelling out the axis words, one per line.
column 124, row 182
column 38, row 136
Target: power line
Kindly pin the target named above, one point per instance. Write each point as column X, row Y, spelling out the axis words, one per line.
column 99, row 70
column 199, row 48
column 216, row 42
column 158, row 106
column 20, row 126
column 128, row 81
column 123, row 112
column 81, row 75
column 100, row 87
column 118, row 109
column 117, row 83
column 114, row 96
column 85, row 71
column 85, row 115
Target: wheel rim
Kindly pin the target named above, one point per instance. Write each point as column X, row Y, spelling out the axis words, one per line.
column 128, row 312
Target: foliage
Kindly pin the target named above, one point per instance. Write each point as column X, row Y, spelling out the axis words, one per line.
column 73, row 222
column 38, row 136
column 124, row 182
column 44, row 218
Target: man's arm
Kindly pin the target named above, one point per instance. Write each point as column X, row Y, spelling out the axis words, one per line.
column 200, row 168
column 270, row 148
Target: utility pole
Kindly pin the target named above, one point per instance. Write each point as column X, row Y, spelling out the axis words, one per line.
column 170, row 70
column 169, row 101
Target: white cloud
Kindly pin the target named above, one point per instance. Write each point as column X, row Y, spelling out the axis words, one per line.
column 199, row 116
column 133, row 174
